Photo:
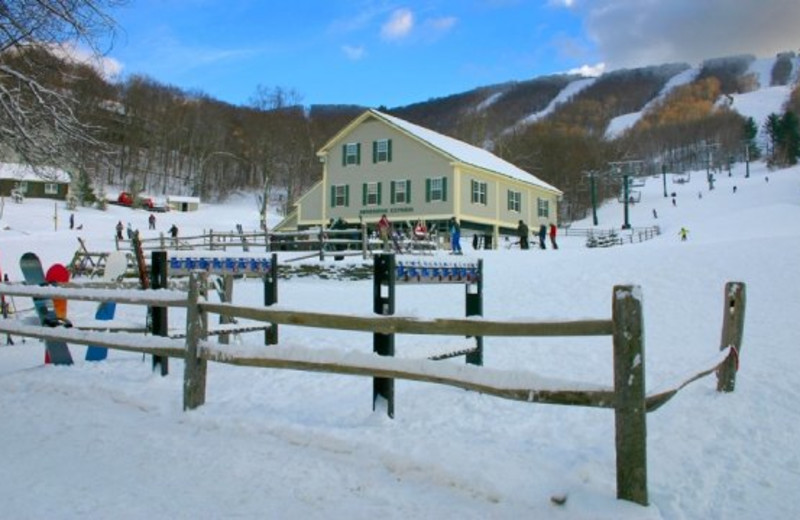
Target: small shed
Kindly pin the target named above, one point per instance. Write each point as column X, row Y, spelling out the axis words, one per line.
column 43, row 182
column 180, row 203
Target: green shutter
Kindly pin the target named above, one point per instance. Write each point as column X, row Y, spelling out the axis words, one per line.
column 364, row 194
column 427, row 190
column 347, row 195
column 374, row 152
column 333, row 196
column 392, row 196
column 444, row 189
column 379, row 194
column 408, row 191
column 389, row 150
column 358, row 153
column 344, row 155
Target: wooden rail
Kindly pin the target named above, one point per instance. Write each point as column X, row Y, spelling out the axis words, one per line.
column 626, row 397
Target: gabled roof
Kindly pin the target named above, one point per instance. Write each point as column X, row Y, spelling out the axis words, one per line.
column 458, row 151
column 24, row 172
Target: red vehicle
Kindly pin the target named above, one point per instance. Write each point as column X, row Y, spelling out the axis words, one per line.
column 126, row 199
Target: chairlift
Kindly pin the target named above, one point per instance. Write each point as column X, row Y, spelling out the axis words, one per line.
column 634, row 196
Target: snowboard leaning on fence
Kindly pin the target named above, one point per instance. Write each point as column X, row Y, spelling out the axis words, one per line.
column 55, row 275
column 56, row 350
column 116, row 265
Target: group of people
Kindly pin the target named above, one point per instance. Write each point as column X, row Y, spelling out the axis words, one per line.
column 523, row 232
column 151, row 222
column 420, row 232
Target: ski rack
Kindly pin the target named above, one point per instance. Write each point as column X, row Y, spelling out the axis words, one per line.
column 388, row 272
column 221, row 265
column 227, row 268
column 417, row 271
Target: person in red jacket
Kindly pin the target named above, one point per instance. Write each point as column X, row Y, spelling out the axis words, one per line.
column 384, row 229
column 553, row 231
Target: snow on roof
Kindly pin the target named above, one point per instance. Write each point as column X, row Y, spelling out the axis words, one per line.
column 24, row 172
column 465, row 153
column 179, row 198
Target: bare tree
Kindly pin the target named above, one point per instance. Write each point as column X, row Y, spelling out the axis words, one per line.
column 38, row 111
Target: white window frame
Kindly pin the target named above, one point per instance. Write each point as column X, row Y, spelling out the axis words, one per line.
column 437, row 189
column 479, row 189
column 514, row 201
column 340, row 196
column 50, row 188
column 399, row 189
column 351, row 154
column 22, row 186
column 372, row 193
column 382, row 150
column 543, row 208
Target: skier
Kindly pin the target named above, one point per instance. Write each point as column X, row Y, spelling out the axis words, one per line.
column 553, row 231
column 455, row 236
column 522, row 231
column 72, row 220
column 542, row 236
column 120, row 227
column 683, row 234
column 152, row 221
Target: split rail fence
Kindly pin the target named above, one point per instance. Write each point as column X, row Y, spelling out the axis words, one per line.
column 626, row 396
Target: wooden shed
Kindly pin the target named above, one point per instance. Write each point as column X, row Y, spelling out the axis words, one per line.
column 180, row 203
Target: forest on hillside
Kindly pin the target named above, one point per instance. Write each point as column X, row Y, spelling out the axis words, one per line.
column 144, row 136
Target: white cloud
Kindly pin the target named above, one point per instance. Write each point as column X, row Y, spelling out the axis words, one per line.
column 354, row 52
column 591, row 71
column 400, row 24
column 442, row 24
column 635, row 32
column 108, row 68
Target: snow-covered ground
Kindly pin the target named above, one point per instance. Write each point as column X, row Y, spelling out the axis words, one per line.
column 110, row 439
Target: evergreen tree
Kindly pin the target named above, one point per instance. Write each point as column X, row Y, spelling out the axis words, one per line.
column 790, row 138
column 84, row 191
column 750, row 134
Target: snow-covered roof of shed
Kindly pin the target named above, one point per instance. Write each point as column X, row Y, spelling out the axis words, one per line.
column 465, row 153
column 24, row 172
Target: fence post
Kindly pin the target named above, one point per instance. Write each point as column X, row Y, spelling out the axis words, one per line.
column 271, row 298
column 383, row 344
column 321, row 243
column 732, row 330
column 364, row 241
column 225, row 291
column 474, row 304
column 194, row 374
column 629, row 390
column 159, row 318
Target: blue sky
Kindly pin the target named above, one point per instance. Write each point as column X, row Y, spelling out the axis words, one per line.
column 394, row 53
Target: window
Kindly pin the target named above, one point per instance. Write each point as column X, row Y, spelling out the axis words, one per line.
column 401, row 192
column 340, row 196
column 382, row 150
column 351, row 153
column 436, row 189
column 478, row 192
column 543, row 208
column 22, row 186
column 371, row 195
column 514, row 201
column 50, row 188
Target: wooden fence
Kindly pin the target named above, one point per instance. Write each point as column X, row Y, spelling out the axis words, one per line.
column 316, row 242
column 625, row 327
